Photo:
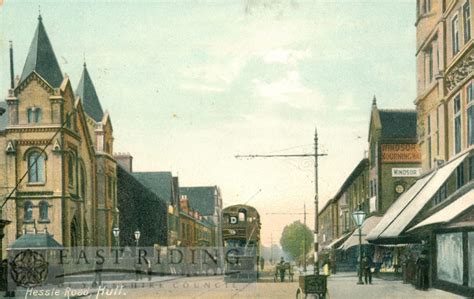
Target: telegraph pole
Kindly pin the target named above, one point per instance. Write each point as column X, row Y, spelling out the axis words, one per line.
column 316, row 155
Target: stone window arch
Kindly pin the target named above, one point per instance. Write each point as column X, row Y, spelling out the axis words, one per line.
column 28, row 211
column 36, row 166
column 43, row 210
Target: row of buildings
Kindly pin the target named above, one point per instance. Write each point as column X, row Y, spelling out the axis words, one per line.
column 416, row 183
column 59, row 174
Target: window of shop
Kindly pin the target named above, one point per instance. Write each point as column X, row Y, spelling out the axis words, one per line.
column 466, row 11
column 449, row 257
column 455, row 34
column 470, row 114
column 457, row 124
column 460, row 176
column 470, row 254
column 430, row 157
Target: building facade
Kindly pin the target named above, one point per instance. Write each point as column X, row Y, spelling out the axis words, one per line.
column 445, row 107
column 394, row 156
column 57, row 161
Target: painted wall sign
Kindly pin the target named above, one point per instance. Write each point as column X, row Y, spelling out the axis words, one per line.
column 406, row 172
column 401, row 153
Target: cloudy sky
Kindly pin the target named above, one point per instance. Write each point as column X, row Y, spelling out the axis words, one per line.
column 191, row 84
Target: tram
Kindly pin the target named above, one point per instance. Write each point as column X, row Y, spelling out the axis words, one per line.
column 241, row 236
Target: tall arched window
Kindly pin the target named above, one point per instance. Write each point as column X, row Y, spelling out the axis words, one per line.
column 70, row 169
column 43, row 209
column 82, row 186
column 28, row 211
column 36, row 167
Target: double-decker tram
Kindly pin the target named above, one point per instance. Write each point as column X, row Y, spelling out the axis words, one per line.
column 241, row 236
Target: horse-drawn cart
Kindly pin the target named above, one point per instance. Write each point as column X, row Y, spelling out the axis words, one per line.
column 280, row 272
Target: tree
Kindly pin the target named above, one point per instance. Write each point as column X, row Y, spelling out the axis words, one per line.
column 293, row 239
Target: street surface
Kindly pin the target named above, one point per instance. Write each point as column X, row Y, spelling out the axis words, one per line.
column 340, row 286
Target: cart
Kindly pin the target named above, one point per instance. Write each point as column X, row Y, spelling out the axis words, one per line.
column 286, row 267
column 312, row 284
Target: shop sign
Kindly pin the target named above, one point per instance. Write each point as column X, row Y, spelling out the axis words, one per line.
column 406, row 172
column 401, row 153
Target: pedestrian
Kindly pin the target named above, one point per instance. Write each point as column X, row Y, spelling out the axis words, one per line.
column 366, row 268
column 98, row 274
column 281, row 267
column 148, row 270
column 422, row 271
column 262, row 263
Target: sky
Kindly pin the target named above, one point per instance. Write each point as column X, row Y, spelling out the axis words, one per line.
column 191, row 84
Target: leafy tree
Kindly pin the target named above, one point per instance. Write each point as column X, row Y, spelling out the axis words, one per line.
column 293, row 239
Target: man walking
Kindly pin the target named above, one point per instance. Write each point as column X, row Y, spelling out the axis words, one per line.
column 366, row 268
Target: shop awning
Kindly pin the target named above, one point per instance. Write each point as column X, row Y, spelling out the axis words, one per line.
column 335, row 243
column 368, row 225
column 449, row 212
column 409, row 204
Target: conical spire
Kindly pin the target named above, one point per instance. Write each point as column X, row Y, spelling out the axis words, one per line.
column 374, row 102
column 90, row 100
column 41, row 58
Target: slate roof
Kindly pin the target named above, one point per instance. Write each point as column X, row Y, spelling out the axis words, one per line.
column 200, row 199
column 159, row 182
column 41, row 58
column 40, row 240
column 398, row 124
column 90, row 100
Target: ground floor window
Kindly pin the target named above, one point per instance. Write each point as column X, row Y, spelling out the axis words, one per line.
column 449, row 258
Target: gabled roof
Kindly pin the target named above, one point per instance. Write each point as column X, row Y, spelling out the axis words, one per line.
column 398, row 124
column 159, row 182
column 90, row 100
column 41, row 58
column 201, row 198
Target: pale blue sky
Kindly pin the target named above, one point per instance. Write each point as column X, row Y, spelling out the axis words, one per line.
column 190, row 84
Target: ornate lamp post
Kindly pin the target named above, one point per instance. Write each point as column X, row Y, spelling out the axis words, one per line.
column 116, row 232
column 358, row 217
column 137, row 236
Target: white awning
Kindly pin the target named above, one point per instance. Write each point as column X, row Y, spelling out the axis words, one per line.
column 409, row 204
column 366, row 227
column 339, row 240
column 449, row 212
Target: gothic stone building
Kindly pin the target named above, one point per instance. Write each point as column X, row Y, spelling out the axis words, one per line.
column 57, row 149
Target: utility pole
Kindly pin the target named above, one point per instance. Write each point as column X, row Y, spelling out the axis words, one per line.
column 271, row 249
column 316, row 155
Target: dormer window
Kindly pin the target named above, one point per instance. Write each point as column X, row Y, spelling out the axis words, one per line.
column 34, row 115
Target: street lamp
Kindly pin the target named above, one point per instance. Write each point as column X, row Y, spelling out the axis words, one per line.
column 116, row 232
column 359, row 217
column 137, row 236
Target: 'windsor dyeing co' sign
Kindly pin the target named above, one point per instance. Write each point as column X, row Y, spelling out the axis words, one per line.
column 401, row 153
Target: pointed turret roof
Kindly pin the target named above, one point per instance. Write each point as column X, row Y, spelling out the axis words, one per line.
column 41, row 58
column 90, row 100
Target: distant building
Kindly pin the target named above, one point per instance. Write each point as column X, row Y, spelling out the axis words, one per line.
column 207, row 200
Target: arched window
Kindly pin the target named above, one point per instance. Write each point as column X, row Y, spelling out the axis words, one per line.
column 34, row 115
column 70, row 169
column 36, row 167
column 82, row 187
column 28, row 211
column 43, row 209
